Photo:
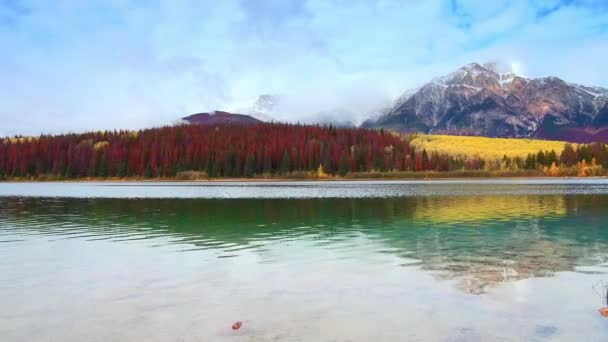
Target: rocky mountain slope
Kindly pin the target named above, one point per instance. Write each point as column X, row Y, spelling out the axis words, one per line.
column 479, row 100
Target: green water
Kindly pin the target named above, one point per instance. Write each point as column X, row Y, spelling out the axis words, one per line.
column 304, row 262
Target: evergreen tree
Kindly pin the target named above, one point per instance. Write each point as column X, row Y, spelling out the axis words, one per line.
column 249, row 166
column 149, row 173
column 122, row 170
column 568, row 156
column 343, row 166
column 425, row 160
column 285, row 163
column 267, row 162
column 540, row 159
column 530, row 163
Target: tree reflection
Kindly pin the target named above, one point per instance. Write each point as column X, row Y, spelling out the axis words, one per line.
column 477, row 241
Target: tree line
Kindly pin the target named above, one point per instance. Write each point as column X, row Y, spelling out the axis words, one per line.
column 249, row 150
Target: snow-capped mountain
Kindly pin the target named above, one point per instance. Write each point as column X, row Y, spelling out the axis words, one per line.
column 273, row 107
column 492, row 101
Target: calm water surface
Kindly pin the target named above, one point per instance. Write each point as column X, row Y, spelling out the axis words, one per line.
column 494, row 260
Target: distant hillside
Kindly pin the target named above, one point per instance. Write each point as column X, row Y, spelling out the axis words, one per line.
column 481, row 100
column 220, row 118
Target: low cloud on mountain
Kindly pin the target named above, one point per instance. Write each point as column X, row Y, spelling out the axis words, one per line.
column 78, row 65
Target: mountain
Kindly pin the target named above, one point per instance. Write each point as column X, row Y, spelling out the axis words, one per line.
column 265, row 107
column 282, row 107
column 338, row 117
column 385, row 110
column 481, row 100
column 220, row 118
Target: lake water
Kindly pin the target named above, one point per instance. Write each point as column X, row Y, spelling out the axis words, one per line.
column 489, row 260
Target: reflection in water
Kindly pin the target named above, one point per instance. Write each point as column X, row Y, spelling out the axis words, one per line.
column 472, row 209
column 478, row 241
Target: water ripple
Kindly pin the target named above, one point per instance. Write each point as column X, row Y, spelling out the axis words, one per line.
column 479, row 240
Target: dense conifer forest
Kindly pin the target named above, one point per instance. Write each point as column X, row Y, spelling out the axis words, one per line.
column 269, row 149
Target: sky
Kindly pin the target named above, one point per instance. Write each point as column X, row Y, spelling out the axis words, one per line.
column 71, row 66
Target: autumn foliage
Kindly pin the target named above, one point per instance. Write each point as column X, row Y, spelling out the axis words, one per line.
column 270, row 149
column 219, row 151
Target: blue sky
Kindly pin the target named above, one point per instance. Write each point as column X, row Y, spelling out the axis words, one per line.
column 101, row 64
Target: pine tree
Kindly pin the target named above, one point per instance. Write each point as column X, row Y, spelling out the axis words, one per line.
column 540, row 158
column 425, row 160
column 267, row 162
column 285, row 163
column 568, row 156
column 249, row 166
column 343, row 165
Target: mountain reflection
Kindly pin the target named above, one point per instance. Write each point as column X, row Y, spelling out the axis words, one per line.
column 476, row 241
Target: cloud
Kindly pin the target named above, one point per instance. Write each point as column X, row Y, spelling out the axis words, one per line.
column 73, row 65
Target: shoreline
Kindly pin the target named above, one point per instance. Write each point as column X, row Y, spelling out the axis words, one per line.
column 287, row 180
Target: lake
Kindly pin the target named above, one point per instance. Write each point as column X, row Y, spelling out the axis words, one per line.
column 454, row 260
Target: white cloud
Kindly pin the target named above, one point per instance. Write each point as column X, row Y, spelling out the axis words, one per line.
column 75, row 65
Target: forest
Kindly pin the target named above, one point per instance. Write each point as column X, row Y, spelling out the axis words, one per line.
column 267, row 150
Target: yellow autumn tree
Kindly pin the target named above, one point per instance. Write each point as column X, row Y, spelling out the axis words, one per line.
column 583, row 169
column 595, row 169
column 321, row 172
column 100, row 145
column 553, row 170
column 484, row 147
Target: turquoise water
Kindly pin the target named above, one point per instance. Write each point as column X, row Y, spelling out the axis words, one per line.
column 312, row 261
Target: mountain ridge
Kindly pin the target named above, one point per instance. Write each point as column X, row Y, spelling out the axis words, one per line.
column 220, row 118
column 483, row 100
